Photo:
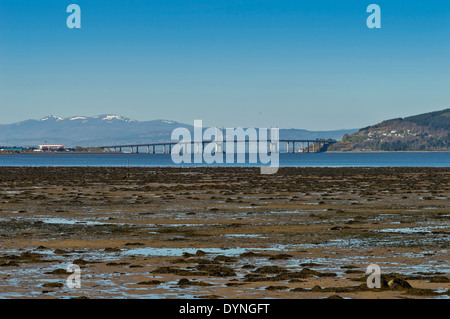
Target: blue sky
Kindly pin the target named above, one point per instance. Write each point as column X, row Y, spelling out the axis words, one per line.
column 292, row 64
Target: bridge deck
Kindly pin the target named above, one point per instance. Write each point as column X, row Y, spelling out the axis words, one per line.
column 214, row 141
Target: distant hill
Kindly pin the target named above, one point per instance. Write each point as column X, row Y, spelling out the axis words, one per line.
column 424, row 132
column 85, row 131
column 109, row 129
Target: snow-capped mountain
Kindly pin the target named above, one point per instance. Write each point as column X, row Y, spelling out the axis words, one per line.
column 104, row 117
column 86, row 131
column 51, row 117
column 111, row 129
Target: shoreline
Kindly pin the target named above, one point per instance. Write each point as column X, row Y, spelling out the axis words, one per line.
column 224, row 232
column 359, row 152
column 143, row 153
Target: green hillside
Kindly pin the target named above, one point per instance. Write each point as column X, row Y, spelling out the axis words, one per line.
column 423, row 132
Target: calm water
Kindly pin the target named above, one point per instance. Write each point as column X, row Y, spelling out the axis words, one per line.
column 286, row 160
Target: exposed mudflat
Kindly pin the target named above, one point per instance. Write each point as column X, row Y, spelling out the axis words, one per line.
column 224, row 232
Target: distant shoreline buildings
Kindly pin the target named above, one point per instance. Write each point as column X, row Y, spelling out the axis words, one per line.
column 51, row 148
column 42, row 148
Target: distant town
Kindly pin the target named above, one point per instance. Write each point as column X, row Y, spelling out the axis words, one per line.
column 47, row 148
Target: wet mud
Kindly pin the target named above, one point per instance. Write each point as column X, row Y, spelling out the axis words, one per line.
column 224, row 232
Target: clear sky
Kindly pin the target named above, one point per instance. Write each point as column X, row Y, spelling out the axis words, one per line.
column 292, row 64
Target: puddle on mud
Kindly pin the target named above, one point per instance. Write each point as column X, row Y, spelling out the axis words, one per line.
column 412, row 230
column 181, row 225
column 171, row 252
column 154, row 251
column 67, row 221
column 245, row 236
